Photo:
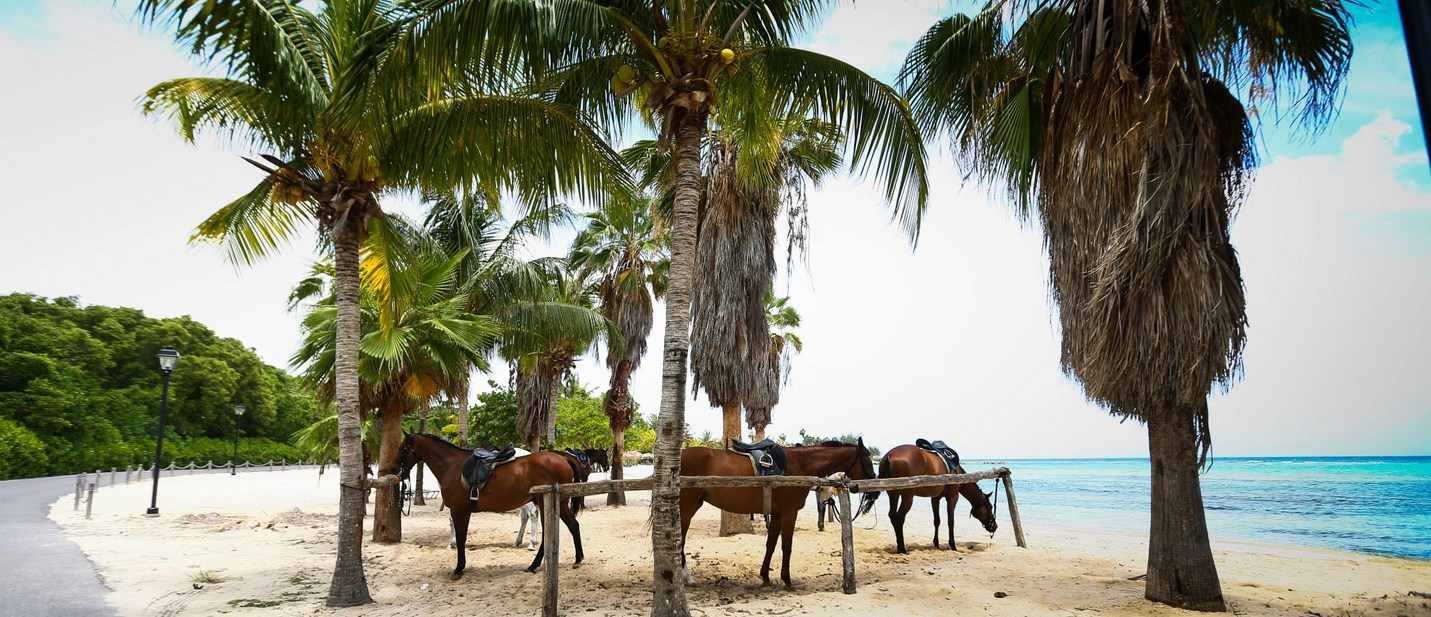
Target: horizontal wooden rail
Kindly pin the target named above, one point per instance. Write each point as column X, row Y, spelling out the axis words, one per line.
column 865, row 486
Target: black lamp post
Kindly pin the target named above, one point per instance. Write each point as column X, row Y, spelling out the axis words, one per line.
column 233, row 462
column 167, row 359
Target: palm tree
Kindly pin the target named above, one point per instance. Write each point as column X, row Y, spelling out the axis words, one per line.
column 341, row 108
column 623, row 249
column 757, row 171
column 550, row 325
column 1115, row 123
column 417, row 345
column 782, row 319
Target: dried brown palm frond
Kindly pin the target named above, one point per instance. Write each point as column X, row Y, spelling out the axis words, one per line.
column 1143, row 167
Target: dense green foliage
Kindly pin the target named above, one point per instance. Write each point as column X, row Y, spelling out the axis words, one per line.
column 80, row 386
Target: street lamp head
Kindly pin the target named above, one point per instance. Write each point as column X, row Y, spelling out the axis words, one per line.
column 168, row 357
column 238, row 409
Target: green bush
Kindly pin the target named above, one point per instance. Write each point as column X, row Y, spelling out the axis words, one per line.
column 21, row 452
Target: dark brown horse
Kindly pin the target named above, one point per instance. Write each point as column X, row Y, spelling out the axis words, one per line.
column 581, row 467
column 785, row 502
column 909, row 460
column 506, row 490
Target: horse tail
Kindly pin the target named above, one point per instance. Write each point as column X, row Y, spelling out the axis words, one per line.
column 867, row 501
column 577, row 503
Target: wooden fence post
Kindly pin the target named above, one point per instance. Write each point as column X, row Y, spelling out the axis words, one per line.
column 1014, row 510
column 551, row 546
column 127, row 471
column 79, row 489
column 89, row 501
column 112, row 473
column 847, row 541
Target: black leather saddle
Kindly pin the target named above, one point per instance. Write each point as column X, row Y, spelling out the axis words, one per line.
column 768, row 456
column 951, row 458
column 580, row 456
column 478, row 468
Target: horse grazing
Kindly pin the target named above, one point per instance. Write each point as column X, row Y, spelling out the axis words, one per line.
column 909, row 460
column 507, row 489
column 785, row 501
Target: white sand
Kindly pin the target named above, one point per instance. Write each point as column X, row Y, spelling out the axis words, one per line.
column 263, row 543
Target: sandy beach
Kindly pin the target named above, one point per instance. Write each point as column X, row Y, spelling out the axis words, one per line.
column 261, row 543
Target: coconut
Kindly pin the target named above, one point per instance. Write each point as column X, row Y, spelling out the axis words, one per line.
column 727, row 56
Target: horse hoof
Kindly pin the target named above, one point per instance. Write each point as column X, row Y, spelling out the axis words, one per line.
column 532, row 570
column 455, row 576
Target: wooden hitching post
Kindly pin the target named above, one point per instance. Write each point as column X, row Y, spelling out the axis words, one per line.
column 551, row 540
column 1014, row 510
column 847, row 540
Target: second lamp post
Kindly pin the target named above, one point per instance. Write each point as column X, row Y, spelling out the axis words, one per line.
column 233, row 462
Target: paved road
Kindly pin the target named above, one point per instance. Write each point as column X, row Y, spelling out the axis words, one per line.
column 43, row 573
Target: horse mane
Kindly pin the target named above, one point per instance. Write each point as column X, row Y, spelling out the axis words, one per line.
column 442, row 441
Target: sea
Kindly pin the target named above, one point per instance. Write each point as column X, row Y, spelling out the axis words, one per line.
column 1373, row 505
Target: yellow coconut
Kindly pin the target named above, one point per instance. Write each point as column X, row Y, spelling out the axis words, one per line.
column 727, row 56
column 626, row 74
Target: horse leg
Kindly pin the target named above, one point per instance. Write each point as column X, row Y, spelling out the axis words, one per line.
column 459, row 530
column 691, row 501
column 568, row 516
column 934, row 505
column 787, row 535
column 953, row 499
column 772, row 532
column 898, row 507
column 819, row 512
column 541, row 548
column 522, row 530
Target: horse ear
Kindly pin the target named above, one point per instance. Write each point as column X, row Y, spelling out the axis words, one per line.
column 989, row 494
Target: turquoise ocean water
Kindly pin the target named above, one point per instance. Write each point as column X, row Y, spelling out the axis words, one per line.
column 1376, row 505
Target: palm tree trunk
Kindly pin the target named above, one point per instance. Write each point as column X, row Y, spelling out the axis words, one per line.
column 668, row 586
column 759, row 434
column 730, row 523
column 1181, row 571
column 387, row 511
column 417, row 499
column 349, row 586
column 462, row 414
column 617, row 406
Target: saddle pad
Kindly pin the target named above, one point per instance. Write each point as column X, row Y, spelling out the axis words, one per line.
column 950, row 457
column 767, row 457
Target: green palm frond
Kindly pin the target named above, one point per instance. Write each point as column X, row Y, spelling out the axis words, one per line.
column 883, row 138
column 539, row 149
column 254, row 225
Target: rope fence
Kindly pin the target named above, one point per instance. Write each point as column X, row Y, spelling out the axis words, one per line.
column 85, row 484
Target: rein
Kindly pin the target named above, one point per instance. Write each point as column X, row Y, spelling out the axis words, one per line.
column 405, row 497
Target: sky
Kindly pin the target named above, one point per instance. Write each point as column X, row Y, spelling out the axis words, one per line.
column 955, row 339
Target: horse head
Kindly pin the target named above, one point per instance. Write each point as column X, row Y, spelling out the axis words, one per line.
column 863, row 469
column 407, row 456
column 985, row 512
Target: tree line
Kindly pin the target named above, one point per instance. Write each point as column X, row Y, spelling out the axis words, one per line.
column 80, row 387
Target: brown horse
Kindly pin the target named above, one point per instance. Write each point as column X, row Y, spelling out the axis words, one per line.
column 785, row 502
column 507, row 489
column 581, row 467
column 909, row 460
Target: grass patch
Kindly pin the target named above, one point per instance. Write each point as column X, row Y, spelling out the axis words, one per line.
column 206, row 576
column 253, row 603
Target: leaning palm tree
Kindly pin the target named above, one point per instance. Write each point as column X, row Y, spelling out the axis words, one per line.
column 1116, row 127
column 339, row 106
column 622, row 248
column 784, row 343
column 681, row 60
column 417, row 344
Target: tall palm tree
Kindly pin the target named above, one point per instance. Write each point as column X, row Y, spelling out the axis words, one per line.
column 1115, row 123
column 417, row 344
column 757, row 169
column 622, row 248
column 680, row 59
column 784, row 343
column 340, row 107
